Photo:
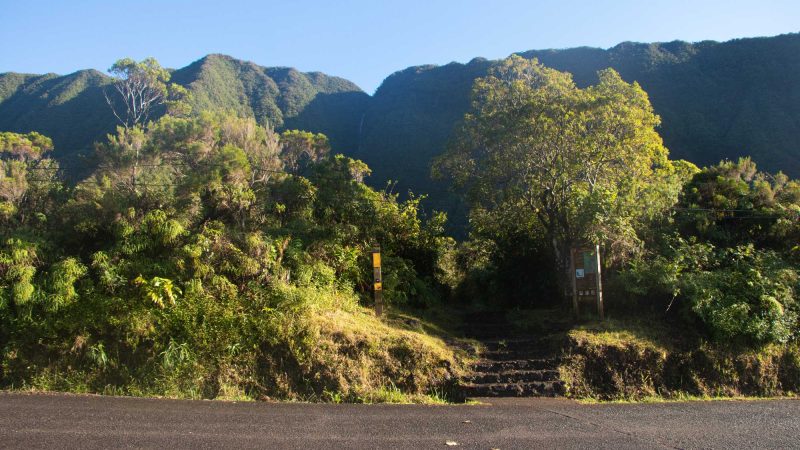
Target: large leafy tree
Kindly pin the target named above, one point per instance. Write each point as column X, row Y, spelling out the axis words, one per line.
column 25, row 173
column 140, row 88
column 539, row 156
column 733, row 203
column 301, row 148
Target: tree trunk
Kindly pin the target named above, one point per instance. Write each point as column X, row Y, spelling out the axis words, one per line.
column 561, row 254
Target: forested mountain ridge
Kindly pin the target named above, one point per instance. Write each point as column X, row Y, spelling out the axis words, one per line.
column 717, row 101
column 280, row 96
column 408, row 123
column 72, row 109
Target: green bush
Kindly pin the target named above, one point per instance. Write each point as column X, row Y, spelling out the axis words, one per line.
column 739, row 294
column 750, row 296
column 201, row 260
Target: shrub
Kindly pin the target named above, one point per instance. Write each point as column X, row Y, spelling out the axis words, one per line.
column 739, row 294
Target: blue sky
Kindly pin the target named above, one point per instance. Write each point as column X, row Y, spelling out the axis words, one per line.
column 363, row 41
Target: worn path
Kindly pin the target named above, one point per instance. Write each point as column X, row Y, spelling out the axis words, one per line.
column 76, row 421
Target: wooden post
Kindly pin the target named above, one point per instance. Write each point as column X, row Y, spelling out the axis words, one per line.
column 599, row 284
column 574, row 282
column 377, row 282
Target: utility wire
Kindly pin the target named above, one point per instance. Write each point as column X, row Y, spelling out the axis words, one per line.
column 119, row 180
column 753, row 213
column 268, row 170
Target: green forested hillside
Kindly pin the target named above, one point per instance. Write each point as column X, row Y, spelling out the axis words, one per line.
column 207, row 256
column 72, row 110
column 280, row 96
column 717, row 101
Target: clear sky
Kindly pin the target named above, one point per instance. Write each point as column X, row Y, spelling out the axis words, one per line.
column 361, row 40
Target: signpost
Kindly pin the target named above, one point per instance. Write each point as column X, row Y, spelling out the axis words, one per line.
column 377, row 282
column 585, row 273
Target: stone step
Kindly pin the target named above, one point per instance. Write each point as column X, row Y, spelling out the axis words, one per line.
column 497, row 333
column 546, row 342
column 485, row 331
column 511, row 344
column 512, row 376
column 532, row 389
column 486, row 316
column 487, row 365
column 513, row 355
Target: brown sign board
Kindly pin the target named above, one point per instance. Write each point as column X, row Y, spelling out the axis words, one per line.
column 586, row 278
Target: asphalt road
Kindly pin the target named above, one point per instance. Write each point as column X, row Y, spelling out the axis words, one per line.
column 77, row 421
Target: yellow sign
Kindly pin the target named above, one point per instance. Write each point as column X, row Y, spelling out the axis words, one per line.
column 378, row 286
column 376, row 260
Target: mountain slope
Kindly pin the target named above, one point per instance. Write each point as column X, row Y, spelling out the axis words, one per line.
column 717, row 100
column 72, row 109
column 281, row 96
column 408, row 123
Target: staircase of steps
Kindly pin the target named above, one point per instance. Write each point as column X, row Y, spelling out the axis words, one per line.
column 510, row 365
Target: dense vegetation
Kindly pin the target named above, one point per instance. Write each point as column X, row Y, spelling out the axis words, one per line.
column 729, row 257
column 72, row 110
column 211, row 257
column 546, row 165
column 205, row 254
column 716, row 100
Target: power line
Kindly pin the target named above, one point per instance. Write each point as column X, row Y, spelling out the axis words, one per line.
column 753, row 213
column 269, row 170
column 114, row 184
column 169, row 164
column 678, row 208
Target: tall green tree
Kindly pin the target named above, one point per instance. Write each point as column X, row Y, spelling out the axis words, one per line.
column 301, row 148
column 141, row 87
column 25, row 173
column 539, row 155
column 733, row 203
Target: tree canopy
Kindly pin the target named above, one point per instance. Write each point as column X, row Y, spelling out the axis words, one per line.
column 218, row 256
column 539, row 154
column 142, row 87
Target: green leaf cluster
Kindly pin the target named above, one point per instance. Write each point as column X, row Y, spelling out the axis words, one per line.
column 208, row 253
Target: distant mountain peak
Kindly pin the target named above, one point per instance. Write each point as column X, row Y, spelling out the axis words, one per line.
column 59, row 105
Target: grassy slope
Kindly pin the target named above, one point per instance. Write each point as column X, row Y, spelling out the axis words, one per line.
column 641, row 359
column 321, row 355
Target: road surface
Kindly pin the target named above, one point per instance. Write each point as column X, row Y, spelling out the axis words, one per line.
column 84, row 421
